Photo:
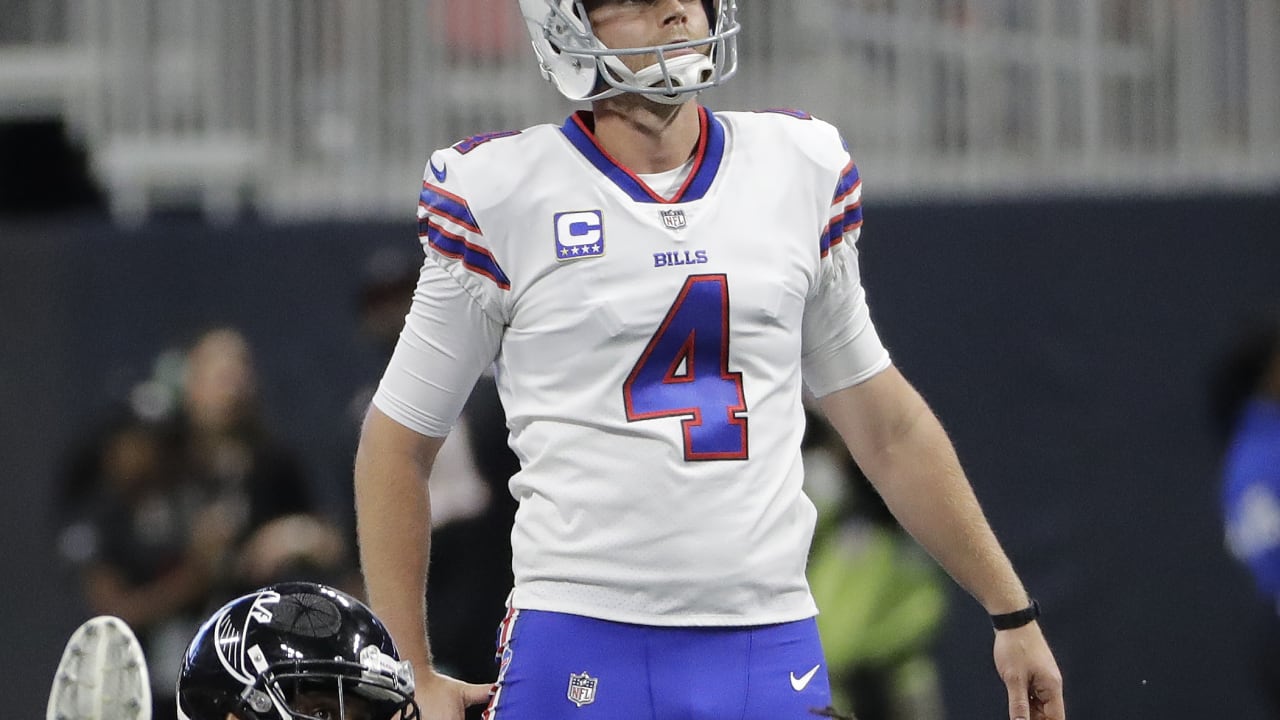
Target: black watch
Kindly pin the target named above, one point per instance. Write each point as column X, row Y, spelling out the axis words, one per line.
column 1017, row 618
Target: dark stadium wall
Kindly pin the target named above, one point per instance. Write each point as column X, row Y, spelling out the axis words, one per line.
column 1067, row 347
column 1065, row 344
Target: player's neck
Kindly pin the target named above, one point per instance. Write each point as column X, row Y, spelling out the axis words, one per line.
column 646, row 137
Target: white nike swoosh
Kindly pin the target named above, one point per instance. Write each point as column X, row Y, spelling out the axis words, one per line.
column 800, row 683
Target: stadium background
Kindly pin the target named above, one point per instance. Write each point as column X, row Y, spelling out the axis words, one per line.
column 1070, row 205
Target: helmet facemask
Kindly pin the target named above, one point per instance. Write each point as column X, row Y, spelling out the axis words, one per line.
column 334, row 690
column 574, row 60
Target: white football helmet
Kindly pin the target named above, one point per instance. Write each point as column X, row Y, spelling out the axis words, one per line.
column 583, row 69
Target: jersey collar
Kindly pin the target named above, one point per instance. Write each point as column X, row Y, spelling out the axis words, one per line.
column 706, row 159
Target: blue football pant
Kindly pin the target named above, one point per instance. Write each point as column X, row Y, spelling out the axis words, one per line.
column 555, row 666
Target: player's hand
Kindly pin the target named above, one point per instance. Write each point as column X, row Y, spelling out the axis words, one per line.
column 441, row 697
column 1030, row 674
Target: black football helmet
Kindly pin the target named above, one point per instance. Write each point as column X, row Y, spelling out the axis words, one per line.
column 282, row 651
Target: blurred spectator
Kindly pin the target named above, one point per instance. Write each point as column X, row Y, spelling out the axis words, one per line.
column 247, row 476
column 1247, row 408
column 298, row 547
column 188, row 500
column 880, row 597
column 255, row 490
column 141, row 542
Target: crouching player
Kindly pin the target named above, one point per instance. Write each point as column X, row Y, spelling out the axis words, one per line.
column 291, row 651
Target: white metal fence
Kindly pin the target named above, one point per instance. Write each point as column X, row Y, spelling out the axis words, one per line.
column 328, row 108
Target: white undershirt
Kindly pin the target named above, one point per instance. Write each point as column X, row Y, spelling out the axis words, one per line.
column 669, row 182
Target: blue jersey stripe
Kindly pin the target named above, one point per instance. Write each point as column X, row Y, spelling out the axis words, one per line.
column 830, row 236
column 849, row 180
column 853, row 217
column 850, row 219
column 473, row 257
column 447, row 205
column 576, row 131
column 706, row 163
column 710, row 155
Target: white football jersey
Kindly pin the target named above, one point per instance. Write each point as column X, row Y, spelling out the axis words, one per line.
column 649, row 355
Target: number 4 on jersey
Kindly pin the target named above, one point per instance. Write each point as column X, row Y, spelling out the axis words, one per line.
column 684, row 372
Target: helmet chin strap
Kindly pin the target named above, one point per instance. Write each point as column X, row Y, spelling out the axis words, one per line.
column 685, row 71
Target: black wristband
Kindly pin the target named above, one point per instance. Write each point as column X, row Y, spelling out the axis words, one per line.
column 1017, row 618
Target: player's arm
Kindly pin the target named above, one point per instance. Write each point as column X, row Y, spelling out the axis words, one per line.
column 447, row 341
column 904, row 451
column 393, row 515
column 393, row 521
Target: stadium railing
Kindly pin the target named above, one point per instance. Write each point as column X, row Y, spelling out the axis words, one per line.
column 328, row 108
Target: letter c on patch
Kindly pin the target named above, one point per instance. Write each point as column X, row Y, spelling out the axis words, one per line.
column 579, row 228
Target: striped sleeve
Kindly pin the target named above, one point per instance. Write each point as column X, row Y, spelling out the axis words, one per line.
column 449, row 230
column 454, row 327
column 846, row 209
column 840, row 345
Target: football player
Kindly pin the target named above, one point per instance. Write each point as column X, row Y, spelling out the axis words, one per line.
column 655, row 284
column 295, row 651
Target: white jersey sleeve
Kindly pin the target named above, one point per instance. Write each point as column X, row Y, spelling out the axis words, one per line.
column 841, row 347
column 454, row 327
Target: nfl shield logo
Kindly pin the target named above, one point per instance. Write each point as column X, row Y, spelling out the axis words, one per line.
column 674, row 219
column 582, row 689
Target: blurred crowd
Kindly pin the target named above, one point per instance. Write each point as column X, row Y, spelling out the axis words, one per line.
column 184, row 497
column 175, row 504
